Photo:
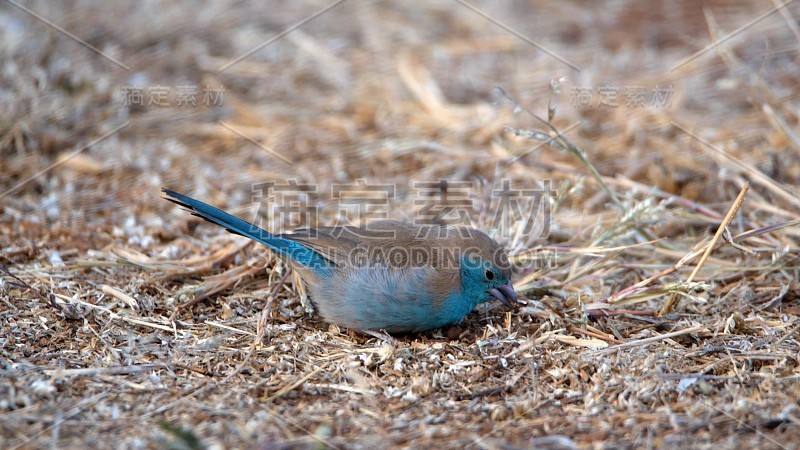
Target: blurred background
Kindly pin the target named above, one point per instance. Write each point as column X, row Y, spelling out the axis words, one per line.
column 677, row 104
column 212, row 98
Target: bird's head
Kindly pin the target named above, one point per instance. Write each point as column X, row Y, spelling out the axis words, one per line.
column 486, row 271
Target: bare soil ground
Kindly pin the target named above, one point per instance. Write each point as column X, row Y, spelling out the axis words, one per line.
column 659, row 310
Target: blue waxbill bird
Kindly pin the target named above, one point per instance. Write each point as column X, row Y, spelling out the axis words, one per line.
column 389, row 276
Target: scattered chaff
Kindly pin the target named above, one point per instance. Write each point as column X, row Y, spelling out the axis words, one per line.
column 120, row 313
column 640, row 342
column 710, row 246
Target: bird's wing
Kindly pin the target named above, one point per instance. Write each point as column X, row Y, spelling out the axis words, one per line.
column 388, row 243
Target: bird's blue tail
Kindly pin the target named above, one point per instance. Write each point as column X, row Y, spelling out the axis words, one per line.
column 284, row 247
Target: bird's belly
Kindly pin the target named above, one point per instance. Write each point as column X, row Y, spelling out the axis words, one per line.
column 389, row 300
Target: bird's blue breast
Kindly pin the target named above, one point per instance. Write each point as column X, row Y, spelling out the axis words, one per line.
column 380, row 298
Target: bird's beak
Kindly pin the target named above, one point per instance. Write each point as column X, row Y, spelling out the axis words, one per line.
column 505, row 294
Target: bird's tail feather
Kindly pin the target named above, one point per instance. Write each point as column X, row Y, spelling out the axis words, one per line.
column 282, row 246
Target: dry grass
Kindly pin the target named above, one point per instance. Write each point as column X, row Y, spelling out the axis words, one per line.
column 125, row 324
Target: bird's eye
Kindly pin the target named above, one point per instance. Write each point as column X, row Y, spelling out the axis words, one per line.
column 489, row 275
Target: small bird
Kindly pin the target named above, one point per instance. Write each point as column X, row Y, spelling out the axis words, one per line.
column 389, row 276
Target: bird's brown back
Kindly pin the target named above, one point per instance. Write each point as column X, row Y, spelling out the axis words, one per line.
column 400, row 245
